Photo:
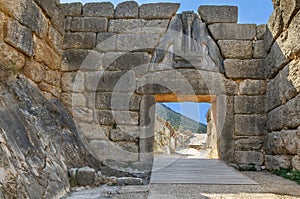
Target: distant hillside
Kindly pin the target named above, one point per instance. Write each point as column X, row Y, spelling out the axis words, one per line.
column 179, row 121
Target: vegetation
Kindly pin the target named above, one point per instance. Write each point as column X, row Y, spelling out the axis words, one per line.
column 9, row 67
column 179, row 121
column 288, row 174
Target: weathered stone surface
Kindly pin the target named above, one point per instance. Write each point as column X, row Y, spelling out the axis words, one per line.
column 74, row 99
column 85, row 176
column 260, row 31
column 252, row 87
column 294, row 74
column 284, row 142
column 288, row 10
column 2, row 20
column 20, row 37
column 277, row 162
column 250, row 125
column 158, row 10
column 125, row 61
column 126, row 117
column 218, row 14
column 138, row 26
column 83, row 114
column 129, row 146
column 117, row 101
column 116, row 82
column 296, row 162
column 72, row 81
column 55, row 91
column 105, row 117
column 249, row 144
column 129, row 181
column 93, row 131
column 259, row 50
column 10, row 57
column 244, row 69
column 71, row 9
column 291, row 119
column 102, row 9
column 236, row 49
column 125, row 133
column 280, row 90
column 55, row 40
column 133, row 42
column 249, row 104
column 89, row 24
column 44, row 54
column 34, row 71
column 106, row 42
column 249, row 157
column 231, row 31
column 80, row 40
column 127, row 10
column 52, row 77
column 275, row 24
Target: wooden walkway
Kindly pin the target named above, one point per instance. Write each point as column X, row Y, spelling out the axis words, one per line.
column 180, row 170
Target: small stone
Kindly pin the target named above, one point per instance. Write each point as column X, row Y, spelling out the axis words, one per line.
column 129, row 181
column 86, row 176
column 99, row 179
column 296, row 162
column 111, row 181
column 72, row 173
column 127, row 10
column 260, row 31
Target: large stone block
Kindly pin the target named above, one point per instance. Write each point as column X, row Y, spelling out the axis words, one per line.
column 278, row 162
column 89, row 24
column 102, row 9
column 83, row 114
column 127, row 10
column 72, row 59
column 93, row 131
column 105, row 117
column 138, row 26
column 71, row 9
column 45, row 54
column 125, row 133
column 111, row 118
column 34, row 71
column 291, row 112
column 106, row 42
column 236, row 49
column 117, row 82
column 117, row 101
column 249, row 104
column 134, row 42
column 55, row 40
column 85, row 176
column 53, row 77
column 158, row 10
column 252, row 87
column 10, row 57
column 53, row 90
column 80, row 40
column 250, row 125
column 249, row 144
column 125, row 61
column 129, row 146
column 20, row 37
column 249, row 157
column 218, row 14
column 231, row 31
column 73, row 99
column 245, row 69
column 294, row 74
column 259, row 50
column 73, row 81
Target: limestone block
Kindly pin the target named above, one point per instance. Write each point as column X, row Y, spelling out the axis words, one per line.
column 55, row 91
column 89, row 24
column 83, row 114
column 2, row 20
column 72, row 81
column 126, row 117
column 125, row 133
column 125, row 61
column 52, row 77
column 138, row 26
column 231, row 31
column 55, row 40
column 275, row 24
column 158, row 10
column 288, row 8
column 101, row 9
column 252, row 87
column 249, row 157
column 129, row 181
column 250, row 125
column 85, row 176
column 34, row 71
column 294, row 74
column 93, row 131
column 218, row 14
column 10, row 57
column 106, row 42
column 72, row 59
column 20, row 37
column 127, row 10
column 74, row 99
column 71, row 9
column 133, row 42
column 107, row 150
column 80, row 40
column 291, row 112
column 44, row 54
column 249, row 104
column 259, row 50
column 117, row 101
column 244, row 69
column 105, row 117
column 129, row 146
column 260, row 31
column 296, row 162
column 236, row 49
column 249, row 144
column 67, row 23
column 92, row 80
column 117, row 82
column 231, row 87
column 277, row 162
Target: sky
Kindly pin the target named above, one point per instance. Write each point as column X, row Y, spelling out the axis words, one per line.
column 250, row 12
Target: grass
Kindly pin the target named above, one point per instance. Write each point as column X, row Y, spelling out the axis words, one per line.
column 10, row 67
column 288, row 174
